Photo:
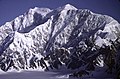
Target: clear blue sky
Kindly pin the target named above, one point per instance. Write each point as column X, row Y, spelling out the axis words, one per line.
column 9, row 9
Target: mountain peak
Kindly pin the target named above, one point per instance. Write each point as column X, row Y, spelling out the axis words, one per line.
column 61, row 35
column 69, row 7
column 42, row 11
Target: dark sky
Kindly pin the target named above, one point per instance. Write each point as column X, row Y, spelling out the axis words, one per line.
column 9, row 9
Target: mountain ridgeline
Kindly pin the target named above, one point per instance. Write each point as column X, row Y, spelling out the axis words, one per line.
column 67, row 36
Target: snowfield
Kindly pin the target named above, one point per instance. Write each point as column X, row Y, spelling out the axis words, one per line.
column 53, row 74
column 29, row 75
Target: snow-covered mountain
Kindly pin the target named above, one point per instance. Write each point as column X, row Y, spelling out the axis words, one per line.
column 42, row 36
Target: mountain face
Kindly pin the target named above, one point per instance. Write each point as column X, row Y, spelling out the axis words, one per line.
column 51, row 38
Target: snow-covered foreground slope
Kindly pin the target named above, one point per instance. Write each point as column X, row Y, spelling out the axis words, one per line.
column 31, row 75
column 48, row 39
column 58, row 74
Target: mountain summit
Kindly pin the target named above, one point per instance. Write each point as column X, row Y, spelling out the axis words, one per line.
column 69, row 7
column 48, row 39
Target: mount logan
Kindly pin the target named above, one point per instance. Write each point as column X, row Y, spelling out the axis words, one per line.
column 76, row 39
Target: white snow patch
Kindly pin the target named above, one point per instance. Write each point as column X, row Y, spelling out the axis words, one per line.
column 62, row 76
